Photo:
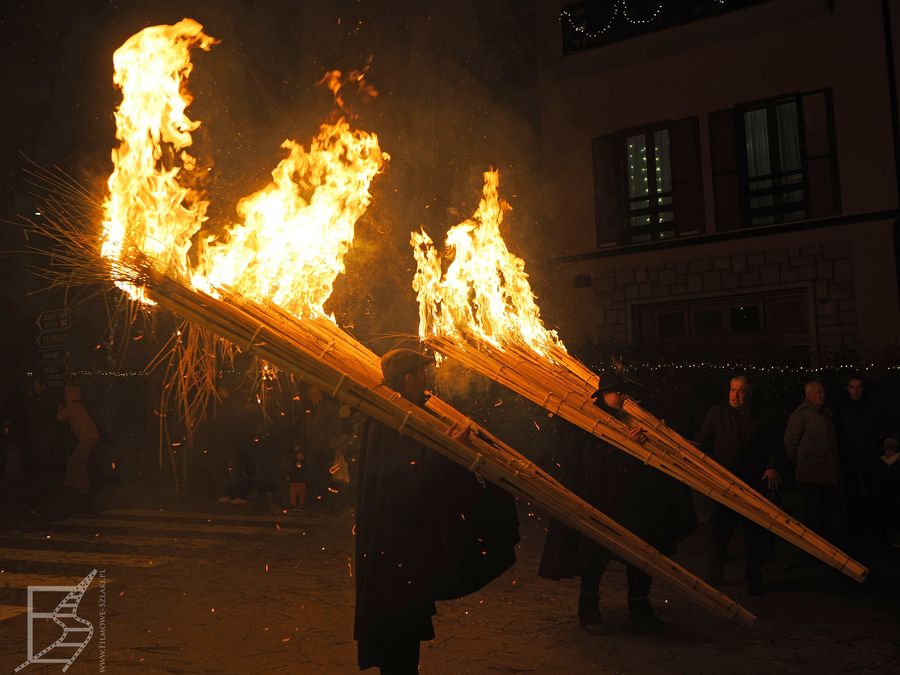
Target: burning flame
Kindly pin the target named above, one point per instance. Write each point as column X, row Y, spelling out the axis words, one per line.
column 484, row 292
column 290, row 248
column 151, row 206
column 290, row 245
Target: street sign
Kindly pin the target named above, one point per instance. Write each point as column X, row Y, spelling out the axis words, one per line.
column 53, row 346
column 54, row 355
column 53, row 319
column 53, row 370
column 52, row 340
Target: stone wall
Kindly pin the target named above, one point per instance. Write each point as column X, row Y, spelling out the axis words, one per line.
column 827, row 269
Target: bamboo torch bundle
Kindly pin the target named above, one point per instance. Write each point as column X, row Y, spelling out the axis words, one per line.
column 565, row 387
column 735, row 493
column 334, row 362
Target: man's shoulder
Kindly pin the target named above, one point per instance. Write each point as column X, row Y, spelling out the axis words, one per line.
column 801, row 409
column 718, row 409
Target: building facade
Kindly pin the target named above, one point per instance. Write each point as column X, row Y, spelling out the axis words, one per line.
column 720, row 177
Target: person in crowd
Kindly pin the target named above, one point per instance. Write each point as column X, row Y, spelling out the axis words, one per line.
column 427, row 530
column 810, row 441
column 321, row 424
column 297, row 479
column 42, row 426
column 229, row 437
column 72, row 410
column 859, row 435
column 746, row 440
column 645, row 501
column 887, row 489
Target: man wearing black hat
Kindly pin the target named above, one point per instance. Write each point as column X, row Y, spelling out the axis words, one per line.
column 426, row 530
column 645, row 501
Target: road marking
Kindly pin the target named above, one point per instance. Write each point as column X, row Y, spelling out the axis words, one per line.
column 82, row 558
column 106, row 538
column 187, row 515
column 22, row 581
column 170, row 526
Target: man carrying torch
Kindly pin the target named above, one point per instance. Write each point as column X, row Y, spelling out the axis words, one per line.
column 645, row 501
column 427, row 530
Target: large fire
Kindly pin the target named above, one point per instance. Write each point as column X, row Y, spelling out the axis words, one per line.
column 484, row 291
column 151, row 207
column 290, row 245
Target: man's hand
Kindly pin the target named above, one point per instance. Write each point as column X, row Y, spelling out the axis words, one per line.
column 773, row 479
column 637, row 434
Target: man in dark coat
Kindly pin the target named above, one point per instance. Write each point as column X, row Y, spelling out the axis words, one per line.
column 859, row 439
column 427, row 530
column 643, row 500
column 744, row 439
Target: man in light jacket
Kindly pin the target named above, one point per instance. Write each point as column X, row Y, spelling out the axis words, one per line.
column 811, row 444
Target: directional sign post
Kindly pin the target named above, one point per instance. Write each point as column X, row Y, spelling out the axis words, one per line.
column 53, row 346
column 53, row 320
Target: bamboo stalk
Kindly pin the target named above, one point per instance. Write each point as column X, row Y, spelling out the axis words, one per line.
column 565, row 387
column 749, row 502
column 332, row 361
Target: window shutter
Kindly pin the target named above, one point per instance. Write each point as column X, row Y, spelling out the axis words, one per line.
column 687, row 179
column 606, row 190
column 823, row 189
column 725, row 170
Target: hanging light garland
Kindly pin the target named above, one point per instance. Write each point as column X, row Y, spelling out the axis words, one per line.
column 619, row 7
column 749, row 367
column 670, row 365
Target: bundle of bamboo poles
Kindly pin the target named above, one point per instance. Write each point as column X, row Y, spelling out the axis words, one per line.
column 332, row 361
column 563, row 385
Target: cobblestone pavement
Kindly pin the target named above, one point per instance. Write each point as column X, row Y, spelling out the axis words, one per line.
column 227, row 589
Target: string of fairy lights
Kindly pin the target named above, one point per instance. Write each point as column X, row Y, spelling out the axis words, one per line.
column 645, row 366
column 619, row 7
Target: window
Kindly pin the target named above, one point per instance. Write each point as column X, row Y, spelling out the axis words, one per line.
column 774, row 161
column 648, row 171
column 774, row 166
column 647, row 183
column 670, row 325
column 708, row 323
column 744, row 318
column 752, row 327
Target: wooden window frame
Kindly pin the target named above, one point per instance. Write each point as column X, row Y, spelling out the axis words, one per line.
column 780, row 208
column 629, row 231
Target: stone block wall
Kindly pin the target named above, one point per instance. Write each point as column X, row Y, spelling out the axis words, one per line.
column 827, row 269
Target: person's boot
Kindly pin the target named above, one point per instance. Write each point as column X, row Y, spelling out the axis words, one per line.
column 643, row 618
column 589, row 616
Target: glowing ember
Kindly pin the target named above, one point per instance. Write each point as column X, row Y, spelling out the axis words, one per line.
column 294, row 233
column 484, row 292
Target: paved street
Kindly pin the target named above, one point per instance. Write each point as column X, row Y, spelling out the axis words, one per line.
column 227, row 589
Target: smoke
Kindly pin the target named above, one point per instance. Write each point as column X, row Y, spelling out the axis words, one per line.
column 453, row 382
